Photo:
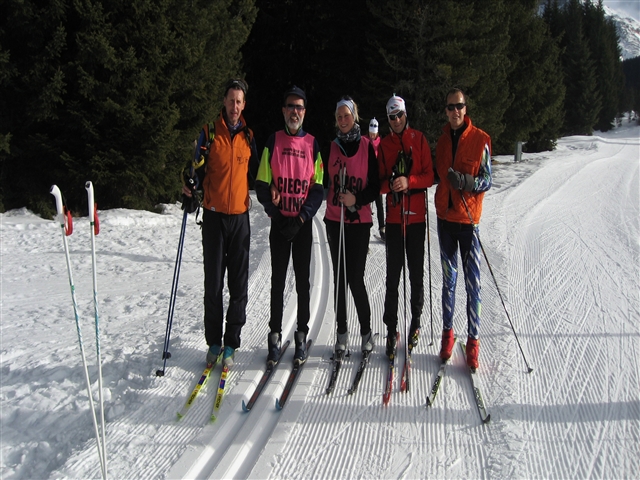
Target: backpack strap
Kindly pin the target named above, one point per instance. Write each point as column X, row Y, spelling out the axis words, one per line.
column 209, row 135
column 248, row 134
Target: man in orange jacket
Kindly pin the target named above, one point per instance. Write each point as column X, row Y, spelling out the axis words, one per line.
column 228, row 162
column 463, row 164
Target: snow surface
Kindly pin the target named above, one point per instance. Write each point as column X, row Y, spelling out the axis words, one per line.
column 561, row 230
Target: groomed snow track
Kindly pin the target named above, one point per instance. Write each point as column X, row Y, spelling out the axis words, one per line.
column 231, row 447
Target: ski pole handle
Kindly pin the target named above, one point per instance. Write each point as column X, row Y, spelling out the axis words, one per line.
column 63, row 216
column 89, row 187
column 93, row 214
column 55, row 191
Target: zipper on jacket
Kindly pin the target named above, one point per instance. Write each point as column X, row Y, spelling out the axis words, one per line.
column 233, row 157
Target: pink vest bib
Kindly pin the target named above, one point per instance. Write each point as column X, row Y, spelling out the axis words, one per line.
column 355, row 179
column 376, row 144
column 292, row 165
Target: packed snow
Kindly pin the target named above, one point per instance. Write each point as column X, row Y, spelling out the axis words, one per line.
column 561, row 232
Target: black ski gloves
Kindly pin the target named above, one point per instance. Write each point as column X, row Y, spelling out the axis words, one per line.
column 288, row 226
column 352, row 215
column 461, row 181
column 190, row 204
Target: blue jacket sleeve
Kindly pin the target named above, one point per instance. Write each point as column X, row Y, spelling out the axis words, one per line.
column 484, row 179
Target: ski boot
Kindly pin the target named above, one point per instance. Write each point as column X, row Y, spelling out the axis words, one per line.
column 213, row 353
column 448, row 341
column 274, row 341
column 367, row 342
column 300, row 356
column 391, row 344
column 473, row 350
column 227, row 356
column 341, row 345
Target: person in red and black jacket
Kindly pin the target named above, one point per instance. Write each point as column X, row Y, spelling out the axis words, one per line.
column 406, row 171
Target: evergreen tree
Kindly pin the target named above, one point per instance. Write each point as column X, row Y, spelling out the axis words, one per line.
column 535, row 81
column 429, row 47
column 605, row 51
column 112, row 92
column 318, row 46
column 552, row 16
column 631, row 69
column 582, row 103
column 32, row 42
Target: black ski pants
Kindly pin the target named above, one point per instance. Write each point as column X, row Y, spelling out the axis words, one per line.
column 415, row 236
column 356, row 239
column 300, row 250
column 225, row 243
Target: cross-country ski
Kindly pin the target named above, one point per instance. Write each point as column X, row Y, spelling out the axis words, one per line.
column 200, row 384
column 362, row 366
column 391, row 368
column 220, row 392
column 477, row 390
column 289, row 386
column 264, row 380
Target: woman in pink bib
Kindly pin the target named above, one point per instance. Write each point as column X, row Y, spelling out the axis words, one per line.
column 354, row 182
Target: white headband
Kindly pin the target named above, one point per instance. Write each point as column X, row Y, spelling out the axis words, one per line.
column 347, row 103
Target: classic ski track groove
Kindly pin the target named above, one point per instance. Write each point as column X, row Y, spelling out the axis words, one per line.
column 242, row 442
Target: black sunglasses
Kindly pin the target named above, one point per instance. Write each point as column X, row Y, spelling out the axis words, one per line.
column 398, row 115
column 291, row 107
column 456, row 106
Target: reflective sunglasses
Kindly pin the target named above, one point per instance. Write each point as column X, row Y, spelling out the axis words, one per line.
column 456, row 106
column 398, row 115
column 291, row 107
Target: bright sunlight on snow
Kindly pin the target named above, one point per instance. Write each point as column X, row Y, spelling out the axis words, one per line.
column 561, row 231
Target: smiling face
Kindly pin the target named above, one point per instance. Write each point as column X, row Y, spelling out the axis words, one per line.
column 456, row 109
column 234, row 105
column 397, row 121
column 293, row 112
column 344, row 119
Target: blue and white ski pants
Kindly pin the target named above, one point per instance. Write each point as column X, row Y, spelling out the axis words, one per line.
column 454, row 236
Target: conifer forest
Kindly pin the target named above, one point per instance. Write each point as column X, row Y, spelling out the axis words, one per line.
column 116, row 91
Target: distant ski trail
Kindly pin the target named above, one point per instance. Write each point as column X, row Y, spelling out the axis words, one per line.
column 572, row 306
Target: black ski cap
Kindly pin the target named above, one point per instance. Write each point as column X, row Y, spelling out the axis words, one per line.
column 236, row 83
column 298, row 92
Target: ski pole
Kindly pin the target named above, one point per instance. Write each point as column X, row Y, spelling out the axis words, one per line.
column 337, row 287
column 63, row 217
column 429, row 260
column 174, row 291
column 529, row 369
column 404, row 273
column 342, row 240
column 342, row 255
column 95, row 229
